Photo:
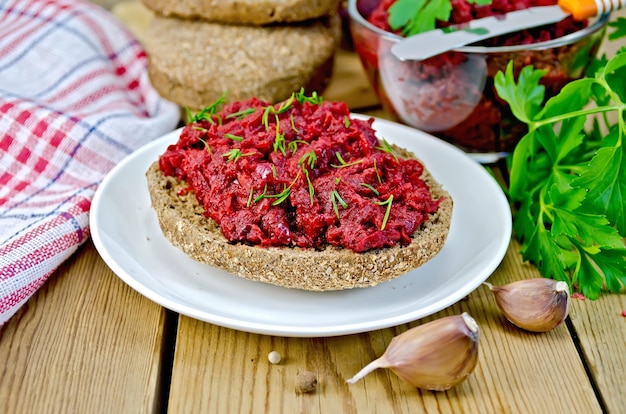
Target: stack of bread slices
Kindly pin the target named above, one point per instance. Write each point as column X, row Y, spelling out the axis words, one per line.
column 200, row 49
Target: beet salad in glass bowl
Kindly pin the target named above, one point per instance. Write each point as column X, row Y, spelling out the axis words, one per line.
column 452, row 95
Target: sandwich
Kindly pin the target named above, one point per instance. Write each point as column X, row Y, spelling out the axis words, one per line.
column 299, row 194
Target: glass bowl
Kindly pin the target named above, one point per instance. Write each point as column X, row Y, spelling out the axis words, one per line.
column 452, row 95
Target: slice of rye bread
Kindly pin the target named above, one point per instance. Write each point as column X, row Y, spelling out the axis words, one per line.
column 192, row 63
column 254, row 12
column 183, row 223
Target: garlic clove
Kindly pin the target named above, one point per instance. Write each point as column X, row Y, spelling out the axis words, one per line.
column 536, row 305
column 435, row 356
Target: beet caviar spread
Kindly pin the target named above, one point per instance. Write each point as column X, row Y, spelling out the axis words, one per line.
column 299, row 173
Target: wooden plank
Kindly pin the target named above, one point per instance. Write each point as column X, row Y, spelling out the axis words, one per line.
column 349, row 83
column 134, row 15
column 517, row 370
column 84, row 343
column 601, row 329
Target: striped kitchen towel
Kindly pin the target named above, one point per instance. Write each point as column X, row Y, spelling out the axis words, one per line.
column 75, row 99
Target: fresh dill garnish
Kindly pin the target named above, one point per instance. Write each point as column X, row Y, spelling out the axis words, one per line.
column 386, row 147
column 369, row 187
column 380, row 181
column 310, row 184
column 206, row 114
column 314, row 99
column 206, row 145
column 340, row 158
column 241, row 114
column 336, row 198
column 285, row 105
column 343, row 163
column 293, row 145
column 293, row 124
column 233, row 137
column 279, row 142
column 249, row 203
column 282, row 196
column 309, row 158
column 265, row 118
column 235, row 153
column 262, row 195
column 388, row 203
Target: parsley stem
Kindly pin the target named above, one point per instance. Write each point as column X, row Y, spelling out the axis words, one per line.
column 582, row 112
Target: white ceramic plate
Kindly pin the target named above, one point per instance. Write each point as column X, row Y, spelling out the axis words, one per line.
column 126, row 234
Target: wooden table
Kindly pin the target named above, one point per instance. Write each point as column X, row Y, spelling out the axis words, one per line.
column 88, row 343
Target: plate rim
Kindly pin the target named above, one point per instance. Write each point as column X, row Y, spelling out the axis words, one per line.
column 284, row 330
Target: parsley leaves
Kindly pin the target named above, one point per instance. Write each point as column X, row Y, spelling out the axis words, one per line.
column 568, row 175
column 417, row 16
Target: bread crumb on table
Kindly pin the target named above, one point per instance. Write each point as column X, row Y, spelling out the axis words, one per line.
column 306, row 382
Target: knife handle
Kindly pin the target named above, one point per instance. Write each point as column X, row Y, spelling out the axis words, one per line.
column 582, row 9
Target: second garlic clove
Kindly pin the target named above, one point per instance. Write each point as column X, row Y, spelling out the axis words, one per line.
column 536, row 305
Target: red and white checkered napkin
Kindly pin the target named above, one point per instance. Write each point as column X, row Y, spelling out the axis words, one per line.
column 75, row 99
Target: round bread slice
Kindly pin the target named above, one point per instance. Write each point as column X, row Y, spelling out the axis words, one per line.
column 192, row 63
column 183, row 223
column 254, row 12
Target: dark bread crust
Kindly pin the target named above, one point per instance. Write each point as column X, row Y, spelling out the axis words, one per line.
column 192, row 63
column 184, row 225
column 255, row 12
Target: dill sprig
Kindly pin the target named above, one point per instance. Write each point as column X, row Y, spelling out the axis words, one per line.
column 388, row 202
column 280, row 197
column 293, row 124
column 309, row 159
column 293, row 145
column 241, row 114
column 369, row 187
column 206, row 145
column 235, row 153
column 279, row 141
column 233, row 137
column 380, row 180
column 336, row 198
column 386, row 147
column 262, row 195
column 343, row 163
column 249, row 203
column 309, row 183
column 207, row 113
column 314, row 99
